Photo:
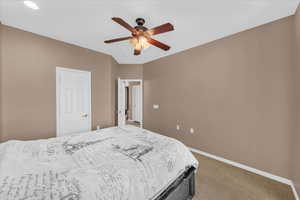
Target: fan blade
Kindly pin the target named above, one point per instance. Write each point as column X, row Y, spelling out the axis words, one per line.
column 137, row 52
column 159, row 44
column 124, row 24
column 118, row 39
column 161, row 29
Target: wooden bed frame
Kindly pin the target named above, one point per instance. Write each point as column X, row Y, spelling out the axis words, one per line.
column 183, row 188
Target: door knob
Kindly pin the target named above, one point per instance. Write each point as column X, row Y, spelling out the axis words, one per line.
column 84, row 115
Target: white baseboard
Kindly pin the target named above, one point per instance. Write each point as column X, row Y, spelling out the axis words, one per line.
column 250, row 169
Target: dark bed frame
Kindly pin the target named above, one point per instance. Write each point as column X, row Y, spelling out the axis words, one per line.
column 183, row 188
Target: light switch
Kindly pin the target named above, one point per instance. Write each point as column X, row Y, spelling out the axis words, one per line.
column 177, row 127
column 155, row 106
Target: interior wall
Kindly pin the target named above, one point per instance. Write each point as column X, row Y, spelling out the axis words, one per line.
column 296, row 136
column 130, row 71
column 28, row 83
column 236, row 93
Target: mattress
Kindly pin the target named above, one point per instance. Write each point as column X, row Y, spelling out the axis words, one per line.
column 127, row 163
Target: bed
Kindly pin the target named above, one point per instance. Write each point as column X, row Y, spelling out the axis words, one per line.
column 118, row 163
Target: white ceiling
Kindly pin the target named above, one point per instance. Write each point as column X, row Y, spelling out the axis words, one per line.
column 88, row 23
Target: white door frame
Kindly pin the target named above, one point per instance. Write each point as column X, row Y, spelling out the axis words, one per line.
column 142, row 95
column 121, row 103
column 60, row 69
column 136, row 102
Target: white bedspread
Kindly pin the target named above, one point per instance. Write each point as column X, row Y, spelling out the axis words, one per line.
column 126, row 163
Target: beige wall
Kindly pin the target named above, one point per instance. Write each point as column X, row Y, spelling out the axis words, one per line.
column 132, row 71
column 28, row 83
column 296, row 136
column 236, row 94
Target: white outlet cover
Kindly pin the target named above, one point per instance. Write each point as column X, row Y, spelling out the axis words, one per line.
column 192, row 130
column 155, row 106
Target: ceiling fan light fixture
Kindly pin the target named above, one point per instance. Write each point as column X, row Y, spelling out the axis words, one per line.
column 141, row 36
column 139, row 42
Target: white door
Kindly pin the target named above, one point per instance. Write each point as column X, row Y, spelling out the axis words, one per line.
column 73, row 90
column 121, row 103
column 136, row 103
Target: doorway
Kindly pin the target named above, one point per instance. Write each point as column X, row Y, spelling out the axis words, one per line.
column 130, row 102
column 73, row 101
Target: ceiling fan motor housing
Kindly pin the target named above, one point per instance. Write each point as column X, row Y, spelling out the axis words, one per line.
column 140, row 21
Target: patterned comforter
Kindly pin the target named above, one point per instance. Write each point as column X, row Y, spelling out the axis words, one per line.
column 126, row 163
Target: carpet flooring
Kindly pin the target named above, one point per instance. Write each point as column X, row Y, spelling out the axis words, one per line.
column 216, row 180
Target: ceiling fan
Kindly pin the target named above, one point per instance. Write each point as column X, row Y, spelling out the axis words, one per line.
column 141, row 36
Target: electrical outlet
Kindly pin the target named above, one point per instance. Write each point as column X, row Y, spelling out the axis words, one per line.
column 155, row 106
column 192, row 131
column 177, row 127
